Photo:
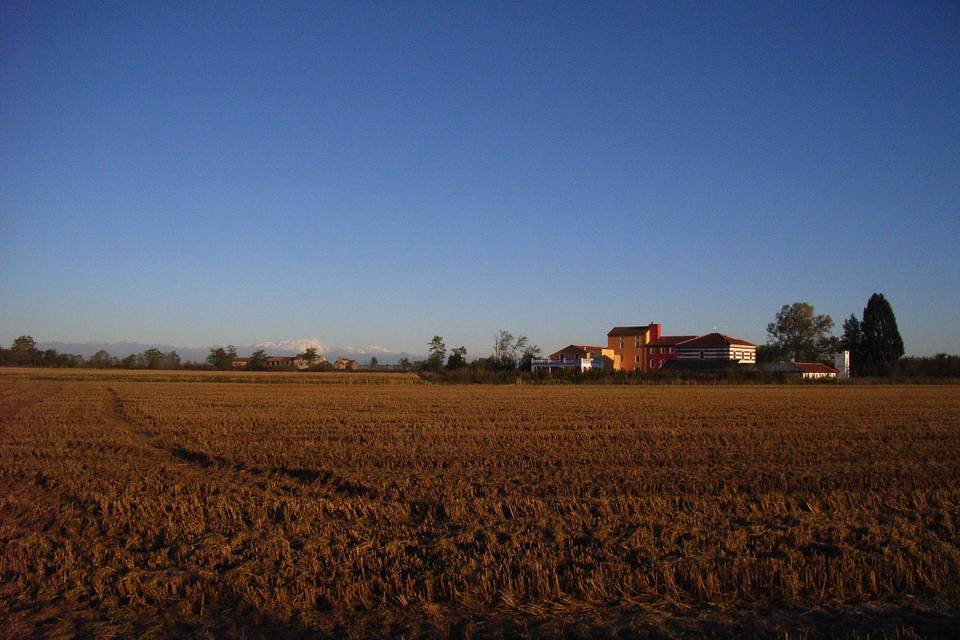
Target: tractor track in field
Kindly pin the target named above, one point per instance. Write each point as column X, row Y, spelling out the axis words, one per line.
column 290, row 479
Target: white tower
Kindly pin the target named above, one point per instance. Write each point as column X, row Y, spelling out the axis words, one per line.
column 841, row 362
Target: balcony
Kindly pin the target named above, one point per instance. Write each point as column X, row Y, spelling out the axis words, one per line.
column 575, row 364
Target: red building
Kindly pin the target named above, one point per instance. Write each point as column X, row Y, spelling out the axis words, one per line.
column 661, row 350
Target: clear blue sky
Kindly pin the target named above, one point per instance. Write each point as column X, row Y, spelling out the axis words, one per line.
column 363, row 173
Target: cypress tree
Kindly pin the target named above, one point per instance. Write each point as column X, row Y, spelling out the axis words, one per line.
column 881, row 344
column 852, row 341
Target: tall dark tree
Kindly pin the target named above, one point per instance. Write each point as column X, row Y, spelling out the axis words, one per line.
column 457, row 359
column 153, row 358
column 222, row 359
column 769, row 353
column 257, row 361
column 882, row 346
column 48, row 358
column 310, row 355
column 799, row 331
column 526, row 354
column 171, row 360
column 101, row 360
column 24, row 350
column 438, row 353
column 852, row 341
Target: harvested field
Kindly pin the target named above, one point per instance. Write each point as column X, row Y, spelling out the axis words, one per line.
column 243, row 507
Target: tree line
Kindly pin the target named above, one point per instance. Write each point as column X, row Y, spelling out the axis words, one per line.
column 509, row 353
column 797, row 333
column 876, row 349
column 23, row 352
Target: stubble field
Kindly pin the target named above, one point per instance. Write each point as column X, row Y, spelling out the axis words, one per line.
column 244, row 506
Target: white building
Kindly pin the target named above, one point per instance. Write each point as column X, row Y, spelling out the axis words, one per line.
column 841, row 362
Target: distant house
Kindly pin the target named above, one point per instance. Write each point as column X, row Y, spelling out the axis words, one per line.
column 279, row 362
column 716, row 346
column 816, row 370
column 780, row 368
column 805, row 370
column 345, row 364
column 578, row 357
column 302, row 363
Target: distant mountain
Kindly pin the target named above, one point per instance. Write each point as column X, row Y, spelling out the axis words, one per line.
column 297, row 345
column 199, row 354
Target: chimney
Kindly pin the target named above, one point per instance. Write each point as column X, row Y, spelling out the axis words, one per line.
column 654, row 331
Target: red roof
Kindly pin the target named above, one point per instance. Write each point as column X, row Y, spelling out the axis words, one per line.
column 279, row 358
column 669, row 341
column 714, row 340
column 814, row 367
column 578, row 347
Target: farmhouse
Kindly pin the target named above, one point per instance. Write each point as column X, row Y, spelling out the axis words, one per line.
column 815, row 370
column 345, row 364
column 579, row 357
column 298, row 362
column 279, row 362
column 805, row 370
column 302, row 363
column 644, row 348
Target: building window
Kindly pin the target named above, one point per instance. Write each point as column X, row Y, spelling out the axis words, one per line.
column 701, row 355
column 636, row 358
column 652, row 366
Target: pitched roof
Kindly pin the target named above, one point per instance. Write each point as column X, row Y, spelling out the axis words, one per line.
column 669, row 341
column 714, row 340
column 578, row 347
column 814, row 367
column 279, row 358
column 776, row 367
column 629, row 331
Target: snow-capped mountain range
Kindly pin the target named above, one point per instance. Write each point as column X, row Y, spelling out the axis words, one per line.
column 302, row 344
